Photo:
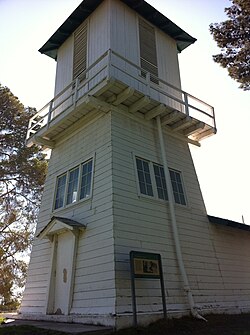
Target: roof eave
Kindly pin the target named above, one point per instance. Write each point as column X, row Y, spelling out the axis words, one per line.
column 183, row 39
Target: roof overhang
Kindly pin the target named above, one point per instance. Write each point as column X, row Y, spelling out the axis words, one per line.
column 228, row 223
column 183, row 39
column 59, row 225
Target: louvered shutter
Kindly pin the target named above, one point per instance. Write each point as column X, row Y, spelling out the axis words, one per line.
column 148, row 55
column 80, row 50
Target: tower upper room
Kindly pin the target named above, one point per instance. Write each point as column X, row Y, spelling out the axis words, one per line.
column 119, row 54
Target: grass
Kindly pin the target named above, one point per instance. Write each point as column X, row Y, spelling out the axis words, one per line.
column 2, row 320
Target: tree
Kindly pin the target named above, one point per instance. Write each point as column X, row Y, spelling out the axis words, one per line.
column 22, row 175
column 233, row 37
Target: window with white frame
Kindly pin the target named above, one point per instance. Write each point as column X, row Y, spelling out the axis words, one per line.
column 74, row 185
column 152, row 181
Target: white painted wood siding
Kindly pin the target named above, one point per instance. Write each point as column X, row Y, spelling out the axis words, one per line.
column 94, row 289
column 125, row 41
column 143, row 224
column 114, row 26
column 119, row 220
column 124, row 32
column 98, row 42
column 216, row 259
column 64, row 65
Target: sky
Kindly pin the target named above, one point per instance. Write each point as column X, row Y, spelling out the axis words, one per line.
column 222, row 162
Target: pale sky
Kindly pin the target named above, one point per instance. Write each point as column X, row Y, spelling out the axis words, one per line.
column 222, row 162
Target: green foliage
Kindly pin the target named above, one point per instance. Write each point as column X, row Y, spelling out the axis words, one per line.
column 22, row 174
column 233, row 37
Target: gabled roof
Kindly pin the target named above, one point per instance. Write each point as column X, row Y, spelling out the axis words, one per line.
column 182, row 38
column 58, row 225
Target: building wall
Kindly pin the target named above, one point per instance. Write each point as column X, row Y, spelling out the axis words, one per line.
column 232, row 250
column 98, row 43
column 125, row 41
column 114, row 26
column 143, row 224
column 94, row 289
column 119, row 220
column 117, row 217
column 216, row 258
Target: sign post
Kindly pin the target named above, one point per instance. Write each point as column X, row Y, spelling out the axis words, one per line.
column 148, row 266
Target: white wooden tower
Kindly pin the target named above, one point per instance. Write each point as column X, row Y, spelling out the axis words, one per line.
column 120, row 175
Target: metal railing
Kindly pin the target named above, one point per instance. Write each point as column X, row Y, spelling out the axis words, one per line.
column 112, row 65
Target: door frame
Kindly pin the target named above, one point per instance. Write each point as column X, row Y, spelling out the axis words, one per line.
column 51, row 231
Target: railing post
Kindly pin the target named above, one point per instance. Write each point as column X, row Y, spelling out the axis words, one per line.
column 29, row 129
column 186, row 103
column 76, row 91
column 50, row 112
column 148, row 82
column 109, row 64
column 214, row 118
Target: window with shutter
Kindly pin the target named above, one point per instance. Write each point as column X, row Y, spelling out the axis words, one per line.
column 148, row 55
column 80, row 50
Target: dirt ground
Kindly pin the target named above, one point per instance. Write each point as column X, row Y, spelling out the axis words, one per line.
column 215, row 325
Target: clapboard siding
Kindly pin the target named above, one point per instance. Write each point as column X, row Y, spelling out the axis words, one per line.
column 125, row 41
column 123, row 38
column 143, row 224
column 98, row 28
column 64, row 65
column 114, row 26
column 117, row 218
column 97, row 240
column 99, row 32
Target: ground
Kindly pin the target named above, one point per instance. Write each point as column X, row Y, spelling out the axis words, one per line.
column 215, row 325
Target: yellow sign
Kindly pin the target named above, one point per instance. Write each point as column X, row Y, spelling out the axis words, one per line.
column 146, row 267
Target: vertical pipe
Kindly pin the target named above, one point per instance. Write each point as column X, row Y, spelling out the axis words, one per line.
column 132, row 274
column 174, row 224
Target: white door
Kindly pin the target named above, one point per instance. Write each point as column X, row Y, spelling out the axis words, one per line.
column 63, row 272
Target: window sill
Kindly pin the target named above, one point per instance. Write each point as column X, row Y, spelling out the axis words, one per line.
column 161, row 201
column 73, row 205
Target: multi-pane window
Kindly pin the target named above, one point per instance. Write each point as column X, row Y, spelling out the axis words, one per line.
column 60, row 191
column 160, row 182
column 86, row 179
column 144, row 177
column 178, row 191
column 74, row 185
column 152, row 181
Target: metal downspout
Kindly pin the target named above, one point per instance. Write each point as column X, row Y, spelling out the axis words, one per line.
column 174, row 224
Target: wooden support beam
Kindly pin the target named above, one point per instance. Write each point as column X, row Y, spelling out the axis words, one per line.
column 181, row 124
column 97, row 103
column 109, row 83
column 169, row 118
column 139, row 104
column 155, row 111
column 111, row 99
column 205, row 134
column 43, row 141
column 124, row 95
column 194, row 128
